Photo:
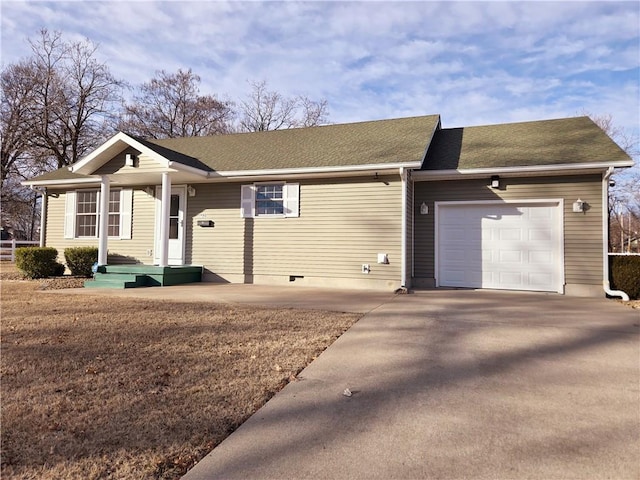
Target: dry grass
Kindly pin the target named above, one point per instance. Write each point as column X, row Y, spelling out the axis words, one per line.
column 97, row 387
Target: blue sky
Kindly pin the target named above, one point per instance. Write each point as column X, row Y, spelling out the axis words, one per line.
column 473, row 63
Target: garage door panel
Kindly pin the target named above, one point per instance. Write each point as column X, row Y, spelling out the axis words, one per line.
column 511, row 278
column 500, row 245
column 509, row 234
column 510, row 256
column 540, row 234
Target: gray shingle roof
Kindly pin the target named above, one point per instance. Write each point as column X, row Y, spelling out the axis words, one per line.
column 400, row 140
column 545, row 142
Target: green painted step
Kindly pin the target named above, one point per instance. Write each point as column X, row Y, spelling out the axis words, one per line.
column 116, row 280
column 131, row 276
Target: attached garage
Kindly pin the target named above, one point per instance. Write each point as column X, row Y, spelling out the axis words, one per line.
column 501, row 245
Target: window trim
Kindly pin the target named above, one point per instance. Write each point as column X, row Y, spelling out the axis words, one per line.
column 290, row 200
column 282, row 200
column 125, row 208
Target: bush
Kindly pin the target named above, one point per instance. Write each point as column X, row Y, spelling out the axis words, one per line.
column 80, row 260
column 39, row 262
column 625, row 274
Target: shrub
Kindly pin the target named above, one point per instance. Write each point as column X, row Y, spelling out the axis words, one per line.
column 625, row 274
column 80, row 260
column 38, row 262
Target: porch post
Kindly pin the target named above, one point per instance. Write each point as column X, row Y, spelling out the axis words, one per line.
column 165, row 204
column 103, row 227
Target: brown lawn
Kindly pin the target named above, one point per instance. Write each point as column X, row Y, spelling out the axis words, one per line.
column 97, row 387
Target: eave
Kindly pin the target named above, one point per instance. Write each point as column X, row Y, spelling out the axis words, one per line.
column 524, row 171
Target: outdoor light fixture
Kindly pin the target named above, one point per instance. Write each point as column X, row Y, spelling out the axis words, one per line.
column 495, row 181
column 130, row 160
column 578, row 206
column 191, row 191
column 424, row 209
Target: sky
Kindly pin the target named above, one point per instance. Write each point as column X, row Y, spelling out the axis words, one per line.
column 474, row 63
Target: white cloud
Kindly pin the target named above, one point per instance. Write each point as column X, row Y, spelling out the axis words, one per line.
column 473, row 62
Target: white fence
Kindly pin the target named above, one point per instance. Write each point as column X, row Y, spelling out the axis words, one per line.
column 8, row 248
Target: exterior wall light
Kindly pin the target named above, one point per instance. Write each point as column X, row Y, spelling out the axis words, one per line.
column 495, row 181
column 579, row 206
column 424, row 209
column 191, row 191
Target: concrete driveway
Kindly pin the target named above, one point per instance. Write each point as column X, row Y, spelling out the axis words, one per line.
column 452, row 385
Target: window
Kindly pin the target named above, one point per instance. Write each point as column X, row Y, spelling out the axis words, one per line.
column 114, row 213
column 270, row 200
column 82, row 214
column 87, row 213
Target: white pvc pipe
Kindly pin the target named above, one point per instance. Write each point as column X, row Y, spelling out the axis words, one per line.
column 605, row 239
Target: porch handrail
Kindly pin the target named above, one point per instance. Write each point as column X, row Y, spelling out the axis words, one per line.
column 11, row 245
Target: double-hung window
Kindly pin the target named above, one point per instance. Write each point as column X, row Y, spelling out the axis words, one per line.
column 269, row 199
column 274, row 199
column 86, row 213
column 82, row 214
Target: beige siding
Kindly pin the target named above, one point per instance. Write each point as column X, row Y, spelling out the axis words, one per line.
column 342, row 225
column 133, row 250
column 144, row 164
column 582, row 231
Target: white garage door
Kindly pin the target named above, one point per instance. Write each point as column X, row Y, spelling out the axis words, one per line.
column 514, row 246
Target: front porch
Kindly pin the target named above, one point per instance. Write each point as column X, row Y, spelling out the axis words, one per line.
column 133, row 276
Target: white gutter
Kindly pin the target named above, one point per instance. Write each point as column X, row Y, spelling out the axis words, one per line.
column 186, row 168
column 403, row 254
column 605, row 239
column 65, row 182
column 532, row 169
column 372, row 167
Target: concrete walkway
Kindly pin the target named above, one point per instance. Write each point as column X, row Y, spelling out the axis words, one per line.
column 354, row 301
column 454, row 385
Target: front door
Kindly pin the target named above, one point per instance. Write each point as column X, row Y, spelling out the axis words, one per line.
column 176, row 225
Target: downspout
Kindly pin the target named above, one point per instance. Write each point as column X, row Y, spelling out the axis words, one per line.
column 403, row 254
column 605, row 239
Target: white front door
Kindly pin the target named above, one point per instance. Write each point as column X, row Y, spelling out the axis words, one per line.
column 177, row 210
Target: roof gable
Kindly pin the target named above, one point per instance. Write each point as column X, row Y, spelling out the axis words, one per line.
column 542, row 143
column 121, row 141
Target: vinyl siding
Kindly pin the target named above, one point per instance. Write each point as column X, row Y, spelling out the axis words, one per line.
column 144, row 164
column 120, row 251
column 342, row 225
column 582, row 231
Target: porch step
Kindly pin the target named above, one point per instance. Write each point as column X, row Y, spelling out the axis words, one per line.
column 116, row 280
column 132, row 276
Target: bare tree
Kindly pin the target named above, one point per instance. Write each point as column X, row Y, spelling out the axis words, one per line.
column 54, row 110
column 74, row 97
column 15, row 106
column 265, row 110
column 170, row 105
column 624, row 195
